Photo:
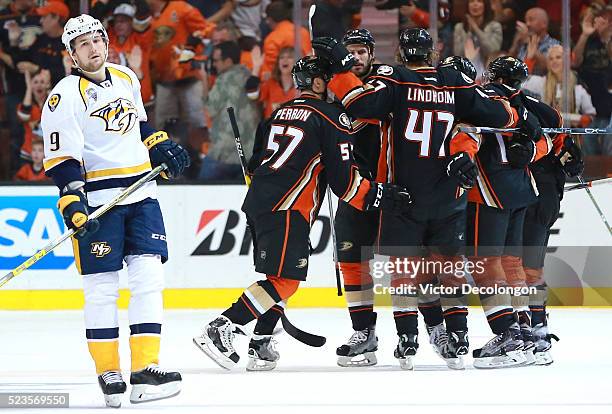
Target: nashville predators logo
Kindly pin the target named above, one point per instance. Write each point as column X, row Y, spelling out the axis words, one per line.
column 100, row 249
column 54, row 101
column 119, row 116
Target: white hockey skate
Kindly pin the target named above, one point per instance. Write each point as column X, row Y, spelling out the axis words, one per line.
column 153, row 383
column 217, row 342
column 262, row 353
column 360, row 349
column 439, row 340
column 406, row 350
column 113, row 387
column 505, row 350
column 543, row 343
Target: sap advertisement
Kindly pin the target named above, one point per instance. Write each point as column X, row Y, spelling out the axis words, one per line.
column 209, row 242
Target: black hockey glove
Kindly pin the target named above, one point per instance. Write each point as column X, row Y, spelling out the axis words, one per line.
column 73, row 207
column 389, row 197
column 163, row 150
column 336, row 53
column 462, row 169
column 528, row 124
column 520, row 152
column 574, row 165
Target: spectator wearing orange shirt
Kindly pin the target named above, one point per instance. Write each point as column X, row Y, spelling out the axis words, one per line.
column 279, row 88
column 176, row 57
column 130, row 48
column 33, row 171
column 278, row 18
column 38, row 86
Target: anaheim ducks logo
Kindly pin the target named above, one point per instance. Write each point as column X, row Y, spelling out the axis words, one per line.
column 119, row 115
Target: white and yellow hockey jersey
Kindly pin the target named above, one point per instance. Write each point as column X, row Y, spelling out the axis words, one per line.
column 98, row 124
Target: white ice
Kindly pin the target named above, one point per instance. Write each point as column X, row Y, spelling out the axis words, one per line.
column 46, row 351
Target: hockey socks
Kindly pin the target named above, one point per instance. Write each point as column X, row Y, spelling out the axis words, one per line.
column 358, row 286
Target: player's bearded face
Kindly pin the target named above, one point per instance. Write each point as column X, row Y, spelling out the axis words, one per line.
column 364, row 59
column 90, row 51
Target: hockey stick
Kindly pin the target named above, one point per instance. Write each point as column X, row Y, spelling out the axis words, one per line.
column 574, row 131
column 51, row 246
column 601, row 214
column 302, row 336
column 593, row 183
column 330, row 205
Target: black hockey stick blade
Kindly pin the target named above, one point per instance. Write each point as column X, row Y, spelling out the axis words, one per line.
column 304, row 337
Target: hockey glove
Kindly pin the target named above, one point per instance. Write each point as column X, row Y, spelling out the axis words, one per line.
column 574, row 165
column 163, row 150
column 528, row 124
column 462, row 169
column 340, row 58
column 520, row 153
column 389, row 197
column 73, row 207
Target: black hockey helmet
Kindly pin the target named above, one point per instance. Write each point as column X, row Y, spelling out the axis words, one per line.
column 460, row 64
column 309, row 67
column 511, row 70
column 415, row 45
column 359, row 37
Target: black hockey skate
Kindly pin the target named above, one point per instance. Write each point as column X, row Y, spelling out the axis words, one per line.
column 113, row 387
column 543, row 343
column 262, row 353
column 449, row 348
column 360, row 349
column 524, row 319
column 406, row 350
column 217, row 342
column 503, row 351
column 153, row 383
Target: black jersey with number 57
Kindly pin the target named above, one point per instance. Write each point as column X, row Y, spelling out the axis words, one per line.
column 305, row 145
column 424, row 104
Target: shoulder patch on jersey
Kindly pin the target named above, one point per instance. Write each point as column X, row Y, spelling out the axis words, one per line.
column 54, row 101
column 466, row 78
column 344, row 120
column 384, row 70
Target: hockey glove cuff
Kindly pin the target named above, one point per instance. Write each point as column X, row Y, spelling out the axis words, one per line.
column 574, row 164
column 163, row 150
column 520, row 154
column 336, row 53
column 73, row 207
column 528, row 124
column 389, row 197
column 462, row 169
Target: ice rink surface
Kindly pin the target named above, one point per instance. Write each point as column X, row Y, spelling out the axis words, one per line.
column 47, row 352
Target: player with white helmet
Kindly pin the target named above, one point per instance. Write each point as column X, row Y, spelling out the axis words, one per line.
column 97, row 142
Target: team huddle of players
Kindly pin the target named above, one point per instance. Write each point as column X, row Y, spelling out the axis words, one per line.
column 412, row 186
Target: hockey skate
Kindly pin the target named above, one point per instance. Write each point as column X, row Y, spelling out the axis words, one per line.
column 543, row 343
column 113, row 387
column 529, row 344
column 217, row 341
column 153, row 383
column 406, row 350
column 503, row 351
column 360, row 349
column 262, row 353
column 450, row 353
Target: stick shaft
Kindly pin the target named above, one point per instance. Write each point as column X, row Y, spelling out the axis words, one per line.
column 243, row 161
column 53, row 244
column 593, row 183
column 575, row 131
column 599, row 211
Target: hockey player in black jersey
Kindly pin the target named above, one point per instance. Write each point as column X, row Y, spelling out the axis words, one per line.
column 304, row 146
column 425, row 103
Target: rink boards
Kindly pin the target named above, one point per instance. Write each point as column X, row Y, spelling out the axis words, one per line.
column 210, row 251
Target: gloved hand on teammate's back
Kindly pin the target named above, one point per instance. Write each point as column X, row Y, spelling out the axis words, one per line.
column 163, row 150
column 528, row 124
column 462, row 169
column 573, row 165
column 73, row 207
column 520, row 152
column 389, row 197
column 340, row 59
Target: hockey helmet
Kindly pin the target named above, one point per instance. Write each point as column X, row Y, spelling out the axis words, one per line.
column 359, row 37
column 511, row 70
column 79, row 25
column 415, row 45
column 307, row 69
column 460, row 64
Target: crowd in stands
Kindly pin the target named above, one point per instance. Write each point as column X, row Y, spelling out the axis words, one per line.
column 195, row 58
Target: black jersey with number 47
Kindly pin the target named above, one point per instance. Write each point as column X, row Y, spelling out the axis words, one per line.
column 305, row 145
column 424, row 104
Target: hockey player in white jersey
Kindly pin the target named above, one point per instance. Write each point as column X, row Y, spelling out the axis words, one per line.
column 97, row 142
